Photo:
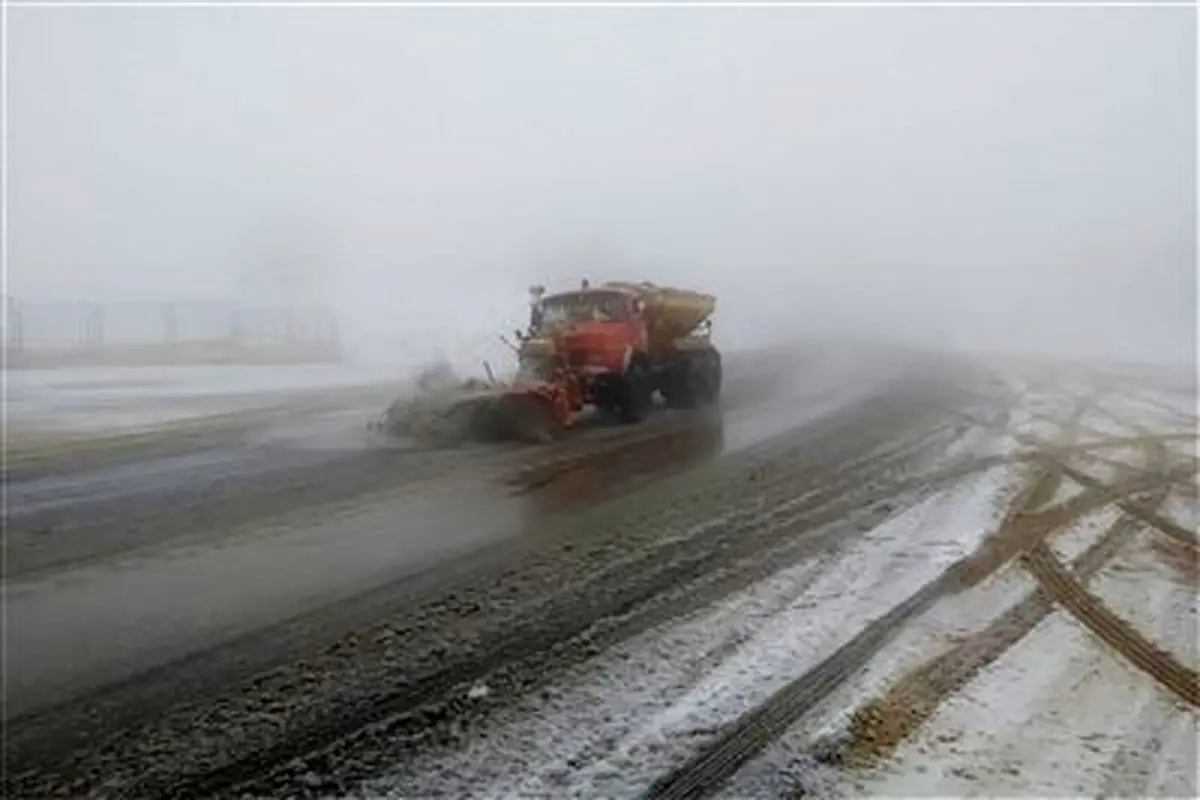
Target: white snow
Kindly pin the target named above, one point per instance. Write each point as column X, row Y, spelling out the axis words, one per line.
column 1109, row 464
column 1163, row 407
column 951, row 618
column 1061, row 713
column 599, row 704
column 1183, row 510
column 1152, row 596
column 1159, row 756
column 980, row 442
column 1155, row 752
column 1182, row 448
column 1044, row 429
column 1048, row 719
column 789, row 764
column 1019, row 420
column 1124, row 422
column 876, row 574
column 1085, row 532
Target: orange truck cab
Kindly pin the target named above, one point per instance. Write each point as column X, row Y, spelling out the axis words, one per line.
column 617, row 344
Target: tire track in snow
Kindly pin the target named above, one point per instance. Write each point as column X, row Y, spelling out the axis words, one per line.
column 747, row 736
column 881, row 724
column 1141, row 511
column 1116, row 632
column 750, row 734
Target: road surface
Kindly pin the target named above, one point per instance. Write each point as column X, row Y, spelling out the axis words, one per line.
column 788, row 596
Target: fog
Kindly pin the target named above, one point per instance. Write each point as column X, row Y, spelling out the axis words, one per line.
column 1005, row 179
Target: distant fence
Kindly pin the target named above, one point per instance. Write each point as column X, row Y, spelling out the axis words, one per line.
column 157, row 330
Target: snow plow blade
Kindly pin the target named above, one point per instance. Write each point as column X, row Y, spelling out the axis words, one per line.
column 492, row 414
column 527, row 416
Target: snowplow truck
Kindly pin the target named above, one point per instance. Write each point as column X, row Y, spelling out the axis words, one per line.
column 614, row 345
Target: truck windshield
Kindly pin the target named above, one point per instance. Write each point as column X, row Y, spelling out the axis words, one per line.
column 584, row 307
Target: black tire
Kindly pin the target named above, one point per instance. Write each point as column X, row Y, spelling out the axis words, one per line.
column 683, row 383
column 711, row 377
column 636, row 393
column 607, row 400
column 696, row 381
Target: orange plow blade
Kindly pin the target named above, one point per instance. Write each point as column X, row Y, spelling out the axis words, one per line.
column 526, row 411
column 494, row 414
column 523, row 415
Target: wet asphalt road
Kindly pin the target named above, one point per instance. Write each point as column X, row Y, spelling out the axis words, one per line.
column 197, row 569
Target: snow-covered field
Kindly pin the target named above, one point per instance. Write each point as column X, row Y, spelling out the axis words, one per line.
column 90, row 400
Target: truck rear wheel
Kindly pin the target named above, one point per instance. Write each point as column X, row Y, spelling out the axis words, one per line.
column 695, row 380
column 682, row 384
column 711, row 372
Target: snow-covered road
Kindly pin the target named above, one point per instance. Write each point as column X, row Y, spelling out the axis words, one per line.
column 1044, row 702
column 902, row 576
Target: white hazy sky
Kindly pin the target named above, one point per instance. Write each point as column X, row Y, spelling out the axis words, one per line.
column 977, row 177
